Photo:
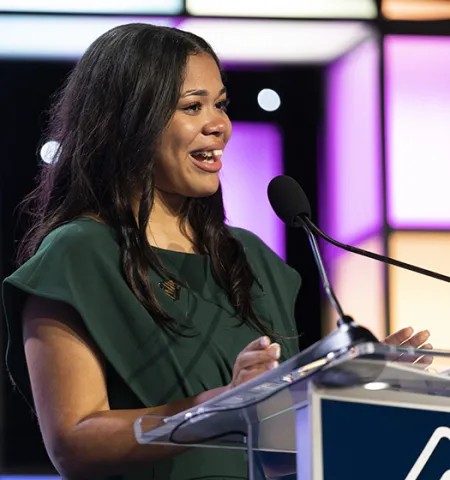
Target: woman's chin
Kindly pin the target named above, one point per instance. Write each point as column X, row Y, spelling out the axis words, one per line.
column 199, row 189
column 205, row 189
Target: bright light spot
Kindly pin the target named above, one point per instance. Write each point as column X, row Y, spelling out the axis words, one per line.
column 376, row 386
column 49, row 151
column 269, row 100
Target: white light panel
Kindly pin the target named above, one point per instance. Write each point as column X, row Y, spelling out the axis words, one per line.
column 58, row 37
column 236, row 41
column 284, row 8
column 93, row 6
column 278, row 41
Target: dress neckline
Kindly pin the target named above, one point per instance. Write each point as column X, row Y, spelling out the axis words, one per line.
column 164, row 251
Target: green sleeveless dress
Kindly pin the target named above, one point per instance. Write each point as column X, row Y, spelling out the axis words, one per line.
column 79, row 263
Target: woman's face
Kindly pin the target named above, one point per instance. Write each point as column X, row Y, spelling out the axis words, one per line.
column 191, row 147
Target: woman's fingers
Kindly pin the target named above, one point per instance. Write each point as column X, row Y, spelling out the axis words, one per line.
column 425, row 360
column 417, row 340
column 399, row 337
column 247, row 374
column 250, row 358
column 257, row 358
column 260, row 343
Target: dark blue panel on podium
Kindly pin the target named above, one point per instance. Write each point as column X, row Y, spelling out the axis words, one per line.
column 371, row 442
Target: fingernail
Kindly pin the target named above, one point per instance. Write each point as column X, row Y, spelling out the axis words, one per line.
column 273, row 365
column 274, row 350
column 427, row 332
column 265, row 342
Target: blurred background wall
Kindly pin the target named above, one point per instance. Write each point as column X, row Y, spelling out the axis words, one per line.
column 350, row 97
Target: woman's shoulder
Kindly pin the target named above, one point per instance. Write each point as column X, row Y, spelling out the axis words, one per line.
column 71, row 247
column 262, row 258
column 247, row 238
column 254, row 245
column 80, row 233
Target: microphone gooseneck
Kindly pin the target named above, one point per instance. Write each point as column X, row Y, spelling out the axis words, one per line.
column 291, row 204
column 374, row 256
column 288, row 199
column 342, row 319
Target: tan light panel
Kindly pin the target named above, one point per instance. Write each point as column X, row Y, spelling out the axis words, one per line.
column 359, row 285
column 418, row 301
column 416, row 9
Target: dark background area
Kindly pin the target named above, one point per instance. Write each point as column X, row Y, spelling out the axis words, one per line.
column 26, row 88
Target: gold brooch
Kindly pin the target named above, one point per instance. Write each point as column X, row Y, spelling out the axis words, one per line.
column 171, row 289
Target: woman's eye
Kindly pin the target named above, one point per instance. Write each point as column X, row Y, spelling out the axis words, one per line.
column 197, row 106
column 223, row 105
column 194, row 107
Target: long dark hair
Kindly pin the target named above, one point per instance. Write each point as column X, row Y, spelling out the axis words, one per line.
column 108, row 119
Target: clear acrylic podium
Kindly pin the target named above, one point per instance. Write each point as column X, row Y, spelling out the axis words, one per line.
column 367, row 411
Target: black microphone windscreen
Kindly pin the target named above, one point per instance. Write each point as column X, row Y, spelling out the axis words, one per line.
column 288, row 199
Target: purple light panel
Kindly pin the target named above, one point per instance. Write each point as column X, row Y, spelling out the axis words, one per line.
column 350, row 178
column 418, row 131
column 30, row 477
column 251, row 159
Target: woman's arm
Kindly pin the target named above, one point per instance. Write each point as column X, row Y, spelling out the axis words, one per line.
column 83, row 437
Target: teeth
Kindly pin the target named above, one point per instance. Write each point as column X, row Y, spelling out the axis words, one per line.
column 208, row 154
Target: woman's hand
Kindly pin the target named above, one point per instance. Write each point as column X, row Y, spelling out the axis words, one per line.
column 407, row 338
column 257, row 357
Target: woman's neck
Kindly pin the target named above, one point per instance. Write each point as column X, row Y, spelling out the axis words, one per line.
column 164, row 226
column 167, row 208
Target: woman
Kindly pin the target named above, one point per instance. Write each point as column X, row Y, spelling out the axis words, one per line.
column 134, row 297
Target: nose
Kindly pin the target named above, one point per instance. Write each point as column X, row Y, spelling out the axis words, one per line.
column 216, row 125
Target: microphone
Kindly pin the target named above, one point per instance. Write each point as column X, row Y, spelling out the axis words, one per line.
column 287, row 197
column 291, row 204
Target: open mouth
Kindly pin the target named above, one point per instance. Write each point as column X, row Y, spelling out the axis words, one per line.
column 207, row 156
column 207, row 160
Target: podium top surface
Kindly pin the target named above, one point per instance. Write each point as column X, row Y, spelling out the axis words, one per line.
column 225, row 420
